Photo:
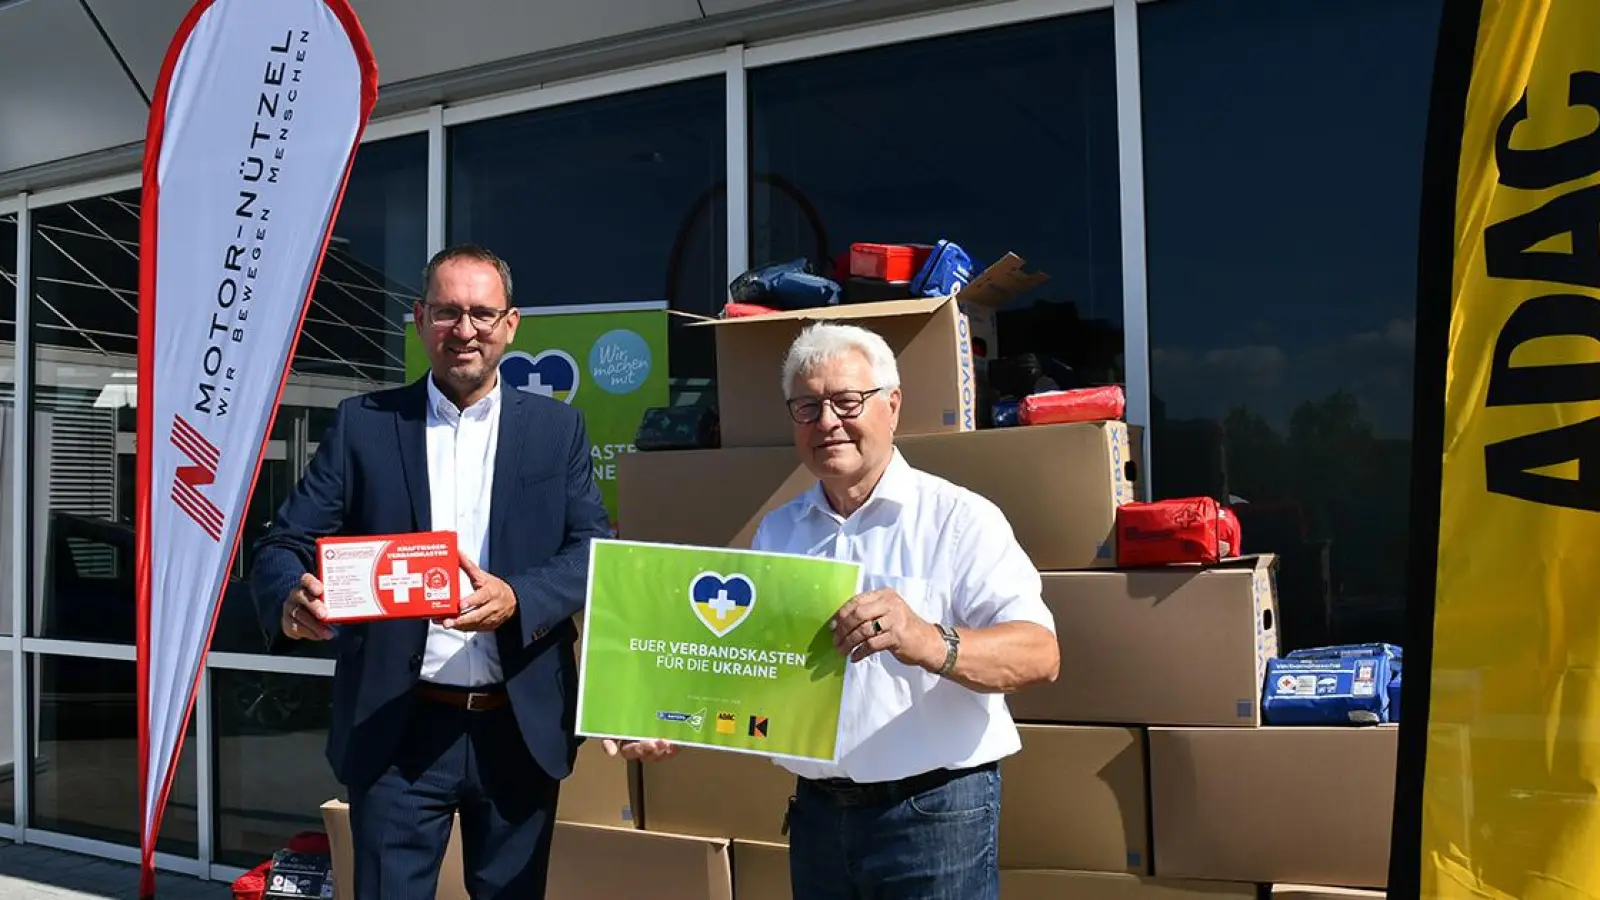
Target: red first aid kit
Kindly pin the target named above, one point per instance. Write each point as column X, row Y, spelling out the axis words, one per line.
column 732, row 310
column 888, row 262
column 395, row 576
column 1099, row 404
column 1174, row 532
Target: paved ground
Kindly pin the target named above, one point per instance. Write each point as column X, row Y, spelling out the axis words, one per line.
column 31, row 872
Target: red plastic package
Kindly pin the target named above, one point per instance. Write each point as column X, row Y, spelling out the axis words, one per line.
column 1175, row 532
column 1062, row 407
column 732, row 310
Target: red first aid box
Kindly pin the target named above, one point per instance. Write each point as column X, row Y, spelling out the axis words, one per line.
column 1176, row 532
column 390, row 576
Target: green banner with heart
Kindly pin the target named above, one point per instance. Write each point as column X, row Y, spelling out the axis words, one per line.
column 720, row 648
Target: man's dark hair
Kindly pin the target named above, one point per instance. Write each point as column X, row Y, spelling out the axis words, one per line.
column 467, row 251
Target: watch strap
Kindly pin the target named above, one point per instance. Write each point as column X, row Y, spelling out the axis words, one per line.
column 952, row 644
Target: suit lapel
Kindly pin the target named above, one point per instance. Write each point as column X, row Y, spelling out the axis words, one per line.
column 508, row 457
column 411, row 434
column 510, row 451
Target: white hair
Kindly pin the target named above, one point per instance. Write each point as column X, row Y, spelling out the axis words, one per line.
column 827, row 341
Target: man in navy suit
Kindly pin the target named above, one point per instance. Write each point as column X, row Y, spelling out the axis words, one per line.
column 472, row 714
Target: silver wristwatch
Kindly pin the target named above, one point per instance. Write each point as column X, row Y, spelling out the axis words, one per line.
column 952, row 643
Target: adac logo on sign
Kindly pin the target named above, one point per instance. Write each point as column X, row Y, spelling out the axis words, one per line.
column 551, row 373
column 722, row 602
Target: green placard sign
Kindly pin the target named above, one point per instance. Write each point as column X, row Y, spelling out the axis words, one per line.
column 609, row 361
column 719, row 648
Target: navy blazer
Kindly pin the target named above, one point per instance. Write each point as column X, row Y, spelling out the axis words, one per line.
column 370, row 476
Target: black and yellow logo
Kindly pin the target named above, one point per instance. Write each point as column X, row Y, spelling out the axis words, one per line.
column 727, row 723
column 758, row 726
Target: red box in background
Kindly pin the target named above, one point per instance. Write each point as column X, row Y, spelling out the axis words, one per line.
column 390, row 576
column 1176, row 532
column 888, row 262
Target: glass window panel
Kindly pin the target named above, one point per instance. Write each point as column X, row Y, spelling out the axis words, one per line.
column 8, row 745
column 86, row 757
column 1003, row 140
column 85, row 309
column 1282, row 220
column 8, row 408
column 353, row 342
column 85, row 319
column 620, row 199
column 262, row 720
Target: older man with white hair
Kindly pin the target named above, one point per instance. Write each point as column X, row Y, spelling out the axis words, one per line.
column 951, row 621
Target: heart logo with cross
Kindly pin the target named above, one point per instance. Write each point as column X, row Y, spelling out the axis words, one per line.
column 721, row 602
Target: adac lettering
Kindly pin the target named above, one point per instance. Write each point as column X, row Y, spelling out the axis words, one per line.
column 1569, row 219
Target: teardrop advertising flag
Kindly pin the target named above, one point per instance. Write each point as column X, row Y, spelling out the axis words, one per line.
column 252, row 131
column 1499, row 768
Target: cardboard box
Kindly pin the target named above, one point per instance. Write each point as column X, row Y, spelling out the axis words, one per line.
column 760, row 871
column 1059, row 485
column 1074, row 798
column 1317, row 892
column 931, row 338
column 392, row 576
column 1169, row 646
column 711, row 793
column 995, row 287
column 583, row 863
column 602, row 790
column 1035, row 884
column 1273, row 805
column 931, row 344
column 588, row 862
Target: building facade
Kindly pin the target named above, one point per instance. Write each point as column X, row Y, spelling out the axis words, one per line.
column 1225, row 196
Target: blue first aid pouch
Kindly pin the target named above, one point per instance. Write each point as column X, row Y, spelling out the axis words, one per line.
column 1348, row 651
column 1394, row 698
column 948, row 270
column 790, row 286
column 1351, row 690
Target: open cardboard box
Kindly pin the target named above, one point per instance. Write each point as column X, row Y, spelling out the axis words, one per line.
column 931, row 338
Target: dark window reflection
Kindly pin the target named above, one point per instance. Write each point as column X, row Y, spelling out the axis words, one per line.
column 8, row 405
column 8, row 283
column 86, row 765
column 8, row 750
column 1283, row 159
column 355, row 328
column 1002, row 141
column 262, row 720
column 620, row 199
column 85, row 309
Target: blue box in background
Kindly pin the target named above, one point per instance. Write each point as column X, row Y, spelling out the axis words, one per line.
column 1327, row 690
column 1394, row 698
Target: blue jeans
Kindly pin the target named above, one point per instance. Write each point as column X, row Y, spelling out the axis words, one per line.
column 940, row 844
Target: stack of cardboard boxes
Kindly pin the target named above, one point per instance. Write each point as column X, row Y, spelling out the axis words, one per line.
column 1145, row 773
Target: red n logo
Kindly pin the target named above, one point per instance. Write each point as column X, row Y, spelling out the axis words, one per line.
column 202, row 470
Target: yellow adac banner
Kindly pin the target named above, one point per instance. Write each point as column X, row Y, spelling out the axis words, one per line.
column 1508, row 747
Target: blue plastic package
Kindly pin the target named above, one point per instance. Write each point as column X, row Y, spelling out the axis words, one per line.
column 1350, row 690
column 1347, row 651
column 1394, row 698
column 947, row 271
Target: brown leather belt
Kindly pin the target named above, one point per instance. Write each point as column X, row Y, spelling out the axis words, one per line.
column 478, row 699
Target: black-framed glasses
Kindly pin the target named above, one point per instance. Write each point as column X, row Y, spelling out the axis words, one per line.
column 483, row 318
column 845, row 404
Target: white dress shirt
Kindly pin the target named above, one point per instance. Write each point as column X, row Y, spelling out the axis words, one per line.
column 952, row 555
column 461, row 449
